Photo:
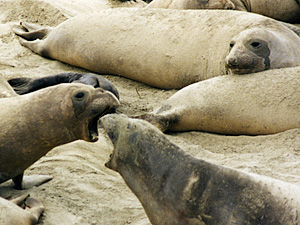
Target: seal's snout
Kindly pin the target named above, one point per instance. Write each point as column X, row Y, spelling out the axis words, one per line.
column 232, row 62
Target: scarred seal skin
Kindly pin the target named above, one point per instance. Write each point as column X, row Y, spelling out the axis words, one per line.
column 177, row 188
column 167, row 48
column 35, row 123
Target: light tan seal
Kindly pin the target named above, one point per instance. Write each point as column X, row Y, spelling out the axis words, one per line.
column 164, row 48
column 253, row 104
column 35, row 123
column 177, row 188
column 23, row 210
column 284, row 10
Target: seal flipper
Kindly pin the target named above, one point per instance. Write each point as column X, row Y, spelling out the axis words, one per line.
column 25, row 182
column 35, row 207
column 24, row 31
column 161, row 122
column 31, row 205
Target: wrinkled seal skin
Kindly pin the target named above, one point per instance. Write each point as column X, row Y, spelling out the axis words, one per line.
column 27, row 85
column 163, row 48
column 23, row 210
column 37, row 122
column 253, row 104
column 176, row 188
column 284, row 10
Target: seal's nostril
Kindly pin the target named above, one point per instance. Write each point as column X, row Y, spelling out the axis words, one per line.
column 232, row 62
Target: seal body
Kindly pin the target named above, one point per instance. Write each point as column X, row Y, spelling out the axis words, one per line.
column 37, row 122
column 284, row 10
column 253, row 104
column 176, row 188
column 162, row 48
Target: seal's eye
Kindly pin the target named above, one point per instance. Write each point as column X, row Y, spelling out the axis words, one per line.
column 80, row 95
column 255, row 44
column 231, row 45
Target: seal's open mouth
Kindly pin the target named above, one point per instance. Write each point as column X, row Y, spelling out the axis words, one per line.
column 93, row 124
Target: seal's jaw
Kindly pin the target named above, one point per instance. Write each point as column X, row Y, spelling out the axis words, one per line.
column 93, row 125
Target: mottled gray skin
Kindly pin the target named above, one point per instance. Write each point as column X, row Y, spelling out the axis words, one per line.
column 176, row 188
column 284, row 10
column 35, row 123
column 253, row 104
column 164, row 48
column 23, row 210
column 27, row 85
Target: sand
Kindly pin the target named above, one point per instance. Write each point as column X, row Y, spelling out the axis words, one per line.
column 83, row 190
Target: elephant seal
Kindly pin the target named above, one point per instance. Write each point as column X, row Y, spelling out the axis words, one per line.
column 162, row 48
column 23, row 210
column 39, row 121
column 253, row 104
column 177, row 188
column 27, row 85
column 284, row 10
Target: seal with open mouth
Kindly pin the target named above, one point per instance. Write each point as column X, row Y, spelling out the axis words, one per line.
column 34, row 123
column 177, row 188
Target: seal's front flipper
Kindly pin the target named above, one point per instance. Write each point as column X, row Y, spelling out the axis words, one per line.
column 161, row 122
column 30, row 181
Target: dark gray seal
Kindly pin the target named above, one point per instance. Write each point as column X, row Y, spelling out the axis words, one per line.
column 177, row 188
column 27, row 85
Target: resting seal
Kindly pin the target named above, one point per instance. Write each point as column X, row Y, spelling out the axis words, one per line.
column 37, row 122
column 176, row 188
column 12, row 212
column 284, row 10
column 262, row 103
column 162, row 48
column 27, row 85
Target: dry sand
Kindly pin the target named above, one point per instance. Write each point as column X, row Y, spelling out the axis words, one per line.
column 83, row 191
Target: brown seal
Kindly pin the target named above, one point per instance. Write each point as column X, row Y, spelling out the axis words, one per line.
column 253, row 104
column 163, row 48
column 39, row 121
column 177, row 188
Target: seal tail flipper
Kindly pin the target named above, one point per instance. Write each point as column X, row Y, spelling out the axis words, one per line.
column 30, row 31
column 35, row 208
column 20, row 85
column 20, row 200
